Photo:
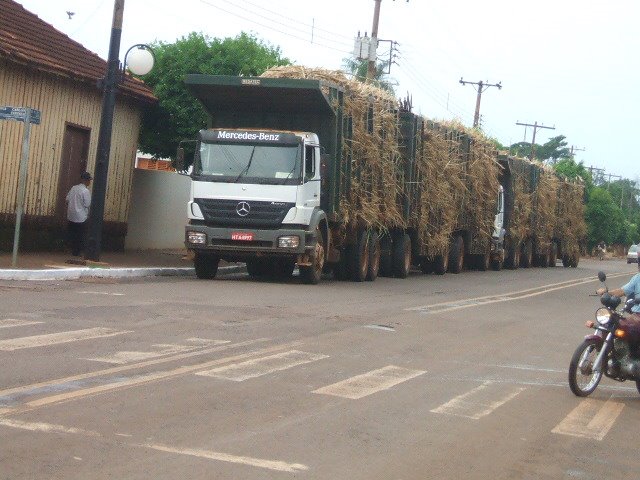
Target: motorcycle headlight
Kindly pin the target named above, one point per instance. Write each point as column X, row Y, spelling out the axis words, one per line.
column 603, row 316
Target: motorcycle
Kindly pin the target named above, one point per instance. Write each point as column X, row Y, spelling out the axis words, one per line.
column 601, row 252
column 613, row 350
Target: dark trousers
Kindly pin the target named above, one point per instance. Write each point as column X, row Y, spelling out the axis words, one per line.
column 76, row 233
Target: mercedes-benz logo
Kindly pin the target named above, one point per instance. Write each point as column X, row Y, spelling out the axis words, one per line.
column 243, row 209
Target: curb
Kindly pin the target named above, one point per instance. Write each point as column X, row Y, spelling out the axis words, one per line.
column 85, row 272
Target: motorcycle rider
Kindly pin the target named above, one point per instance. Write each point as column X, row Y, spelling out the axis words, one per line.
column 629, row 290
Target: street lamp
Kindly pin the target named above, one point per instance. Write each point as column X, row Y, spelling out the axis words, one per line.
column 140, row 63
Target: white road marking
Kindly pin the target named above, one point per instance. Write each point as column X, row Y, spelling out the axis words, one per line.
column 35, row 387
column 591, row 419
column 124, row 357
column 276, row 465
column 369, row 383
column 478, row 402
column 45, row 427
column 505, row 297
column 137, row 380
column 258, row 367
column 104, row 293
column 56, row 338
column 14, row 322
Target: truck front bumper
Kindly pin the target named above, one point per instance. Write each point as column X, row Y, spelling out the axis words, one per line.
column 236, row 242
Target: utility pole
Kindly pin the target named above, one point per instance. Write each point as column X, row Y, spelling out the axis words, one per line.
column 533, row 140
column 573, row 147
column 371, row 66
column 96, row 213
column 599, row 173
column 481, row 87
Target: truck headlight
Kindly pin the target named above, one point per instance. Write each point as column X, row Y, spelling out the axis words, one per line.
column 603, row 316
column 197, row 238
column 291, row 241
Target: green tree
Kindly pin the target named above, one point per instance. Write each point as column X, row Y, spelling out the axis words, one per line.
column 178, row 115
column 605, row 220
column 569, row 168
column 551, row 151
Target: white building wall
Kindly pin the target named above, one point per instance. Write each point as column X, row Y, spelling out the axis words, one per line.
column 158, row 211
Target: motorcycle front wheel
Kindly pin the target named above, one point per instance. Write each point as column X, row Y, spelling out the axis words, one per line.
column 583, row 380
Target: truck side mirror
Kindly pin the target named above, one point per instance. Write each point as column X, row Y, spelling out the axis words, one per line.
column 180, row 159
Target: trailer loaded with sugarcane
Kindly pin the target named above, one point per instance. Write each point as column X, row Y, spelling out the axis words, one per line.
column 306, row 167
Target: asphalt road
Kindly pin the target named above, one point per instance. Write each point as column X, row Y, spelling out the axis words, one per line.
column 460, row 376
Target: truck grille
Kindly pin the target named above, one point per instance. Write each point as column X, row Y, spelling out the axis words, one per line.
column 224, row 213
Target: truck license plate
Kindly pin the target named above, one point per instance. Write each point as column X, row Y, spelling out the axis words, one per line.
column 242, row 236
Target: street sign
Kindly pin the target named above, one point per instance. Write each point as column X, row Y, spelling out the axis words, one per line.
column 19, row 114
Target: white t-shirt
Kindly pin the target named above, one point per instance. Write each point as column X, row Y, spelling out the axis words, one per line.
column 78, row 201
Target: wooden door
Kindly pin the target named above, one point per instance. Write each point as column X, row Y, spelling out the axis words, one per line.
column 75, row 151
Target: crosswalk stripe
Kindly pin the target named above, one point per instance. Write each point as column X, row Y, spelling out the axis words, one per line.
column 56, row 338
column 258, row 367
column 275, row 465
column 591, row 419
column 14, row 322
column 369, row 383
column 479, row 402
column 45, row 427
column 124, row 357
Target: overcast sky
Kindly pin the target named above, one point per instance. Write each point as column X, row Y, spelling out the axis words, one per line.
column 568, row 64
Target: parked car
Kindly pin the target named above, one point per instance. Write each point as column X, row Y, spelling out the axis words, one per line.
column 632, row 254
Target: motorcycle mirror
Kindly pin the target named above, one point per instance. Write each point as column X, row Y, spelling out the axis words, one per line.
column 602, row 276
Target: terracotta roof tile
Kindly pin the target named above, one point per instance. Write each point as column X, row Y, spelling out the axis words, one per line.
column 27, row 40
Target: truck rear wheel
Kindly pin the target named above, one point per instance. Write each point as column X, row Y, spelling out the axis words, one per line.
column 359, row 260
column 401, row 256
column 386, row 269
column 497, row 263
column 456, row 255
column 312, row 274
column 512, row 261
column 206, row 265
column 526, row 257
column 374, row 256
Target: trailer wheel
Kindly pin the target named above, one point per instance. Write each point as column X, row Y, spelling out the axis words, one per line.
column 553, row 255
column 386, row 269
column 206, row 265
column 575, row 259
column 426, row 265
column 483, row 262
column 441, row 264
column 566, row 261
column 513, row 256
column 526, row 259
column 311, row 275
column 374, row 256
column 497, row 263
column 456, row 256
column 359, row 260
column 401, row 256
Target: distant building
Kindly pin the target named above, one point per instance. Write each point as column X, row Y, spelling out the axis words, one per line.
column 42, row 68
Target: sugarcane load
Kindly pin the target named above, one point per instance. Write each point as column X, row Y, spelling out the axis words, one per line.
column 307, row 167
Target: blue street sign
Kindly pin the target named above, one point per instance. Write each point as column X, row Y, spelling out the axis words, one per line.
column 19, row 114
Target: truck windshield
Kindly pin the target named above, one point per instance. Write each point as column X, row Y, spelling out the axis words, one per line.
column 272, row 164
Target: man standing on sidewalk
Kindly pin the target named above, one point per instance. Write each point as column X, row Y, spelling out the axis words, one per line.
column 78, row 201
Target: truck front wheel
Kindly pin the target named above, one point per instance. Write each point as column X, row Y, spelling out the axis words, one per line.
column 312, row 274
column 206, row 265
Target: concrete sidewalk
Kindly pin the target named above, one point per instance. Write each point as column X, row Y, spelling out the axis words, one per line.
column 135, row 263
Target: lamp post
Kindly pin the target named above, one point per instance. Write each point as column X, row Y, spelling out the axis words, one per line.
column 140, row 64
